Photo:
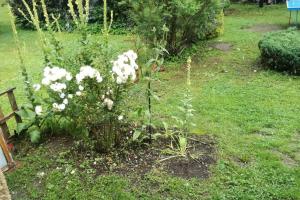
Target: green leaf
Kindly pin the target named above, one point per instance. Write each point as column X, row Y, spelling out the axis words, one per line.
column 156, row 136
column 166, row 126
column 22, row 113
column 21, row 127
column 27, row 106
column 136, row 135
column 150, row 62
column 139, row 112
column 182, row 144
column 147, row 113
column 35, row 136
column 26, row 114
column 155, row 96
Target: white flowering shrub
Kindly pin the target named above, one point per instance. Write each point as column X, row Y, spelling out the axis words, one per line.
column 88, row 99
column 64, row 88
column 85, row 89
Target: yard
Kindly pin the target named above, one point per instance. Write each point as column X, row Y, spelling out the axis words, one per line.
column 248, row 116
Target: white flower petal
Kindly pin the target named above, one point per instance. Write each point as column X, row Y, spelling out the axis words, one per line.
column 38, row 110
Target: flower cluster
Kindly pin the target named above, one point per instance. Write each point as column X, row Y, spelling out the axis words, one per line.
column 88, row 72
column 56, row 79
column 106, row 98
column 59, row 107
column 58, row 87
column 52, row 75
column 108, row 103
column 125, row 67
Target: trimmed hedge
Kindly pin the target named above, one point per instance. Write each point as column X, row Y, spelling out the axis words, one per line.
column 281, row 50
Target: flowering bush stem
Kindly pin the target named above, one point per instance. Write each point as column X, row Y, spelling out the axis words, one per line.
column 27, row 83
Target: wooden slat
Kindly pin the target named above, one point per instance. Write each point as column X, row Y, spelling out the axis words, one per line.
column 13, row 104
column 4, row 126
column 3, row 120
column 7, row 91
column 5, row 149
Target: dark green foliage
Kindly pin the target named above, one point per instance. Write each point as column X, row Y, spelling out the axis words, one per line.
column 55, row 7
column 60, row 8
column 188, row 22
column 225, row 4
column 281, row 51
column 120, row 11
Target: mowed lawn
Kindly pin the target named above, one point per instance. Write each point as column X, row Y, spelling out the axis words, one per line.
column 253, row 113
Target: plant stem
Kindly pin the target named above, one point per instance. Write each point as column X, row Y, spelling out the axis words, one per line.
column 150, row 110
column 28, row 88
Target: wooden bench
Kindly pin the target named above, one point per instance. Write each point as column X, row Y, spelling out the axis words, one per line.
column 4, row 130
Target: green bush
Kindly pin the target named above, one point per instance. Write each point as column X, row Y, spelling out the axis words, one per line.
column 226, row 4
column 281, row 50
column 188, row 22
column 60, row 8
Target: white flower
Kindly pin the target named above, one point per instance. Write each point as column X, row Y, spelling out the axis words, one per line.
column 73, row 171
column 81, row 88
column 88, row 72
column 55, row 106
column 121, row 117
column 108, row 103
column 61, row 107
column 55, row 74
column 79, row 77
column 78, row 93
column 125, row 67
column 120, row 80
column 46, row 81
column 58, row 87
column 69, row 76
column 58, row 107
column 40, row 174
column 62, row 95
column 70, row 96
column 99, row 79
column 36, row 87
column 38, row 110
column 66, row 101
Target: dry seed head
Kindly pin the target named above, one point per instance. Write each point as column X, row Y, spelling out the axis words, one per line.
column 189, row 66
column 44, row 7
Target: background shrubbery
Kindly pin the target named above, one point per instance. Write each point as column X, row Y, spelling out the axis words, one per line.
column 60, row 8
column 281, row 50
column 187, row 22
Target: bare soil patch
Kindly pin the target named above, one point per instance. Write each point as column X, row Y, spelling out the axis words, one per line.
column 222, row 46
column 264, row 28
column 142, row 160
column 231, row 11
column 286, row 159
column 202, row 154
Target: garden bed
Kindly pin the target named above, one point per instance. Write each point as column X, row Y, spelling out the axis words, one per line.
column 138, row 160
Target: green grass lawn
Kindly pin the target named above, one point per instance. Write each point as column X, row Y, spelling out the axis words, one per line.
column 253, row 113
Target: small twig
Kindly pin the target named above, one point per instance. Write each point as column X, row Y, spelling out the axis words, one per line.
column 198, row 141
column 193, row 139
column 168, row 158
